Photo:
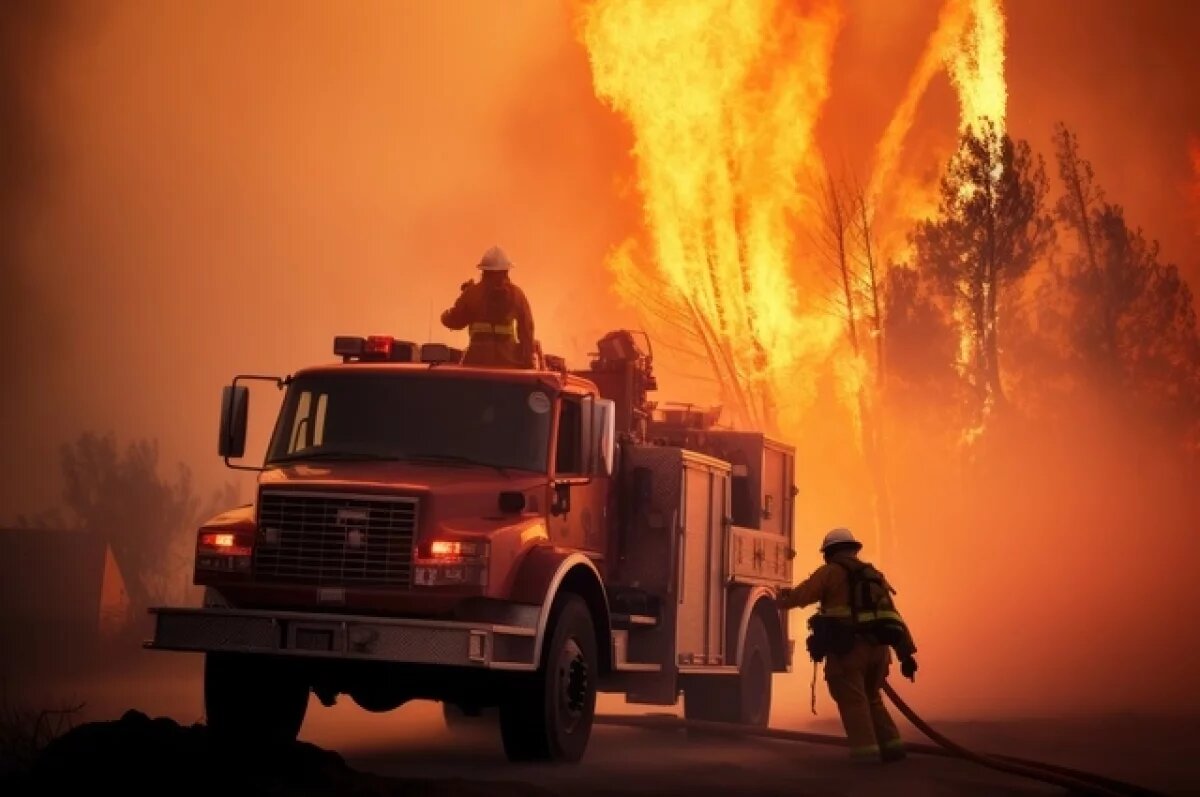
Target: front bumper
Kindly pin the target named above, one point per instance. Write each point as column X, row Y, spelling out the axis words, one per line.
column 333, row 636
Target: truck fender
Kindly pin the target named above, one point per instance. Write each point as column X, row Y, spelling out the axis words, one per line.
column 746, row 601
column 547, row 571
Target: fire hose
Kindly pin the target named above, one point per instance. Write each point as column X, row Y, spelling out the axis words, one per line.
column 1073, row 780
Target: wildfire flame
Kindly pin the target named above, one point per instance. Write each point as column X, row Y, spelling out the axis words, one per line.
column 968, row 43
column 723, row 98
column 976, row 66
column 977, row 71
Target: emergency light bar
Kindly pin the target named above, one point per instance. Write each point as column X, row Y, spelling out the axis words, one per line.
column 376, row 348
column 440, row 353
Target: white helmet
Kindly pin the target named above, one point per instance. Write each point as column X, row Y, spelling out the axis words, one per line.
column 838, row 536
column 494, row 259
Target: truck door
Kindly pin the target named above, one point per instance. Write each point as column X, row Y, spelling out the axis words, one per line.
column 578, row 498
column 701, row 620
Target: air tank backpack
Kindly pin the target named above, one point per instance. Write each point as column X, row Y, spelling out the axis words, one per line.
column 873, row 610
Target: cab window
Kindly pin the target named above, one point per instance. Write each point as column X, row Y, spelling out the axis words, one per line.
column 567, row 457
column 308, row 426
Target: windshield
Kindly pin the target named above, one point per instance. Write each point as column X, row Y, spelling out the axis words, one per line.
column 408, row 417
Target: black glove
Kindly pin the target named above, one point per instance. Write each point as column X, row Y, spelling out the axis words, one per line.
column 785, row 597
column 908, row 668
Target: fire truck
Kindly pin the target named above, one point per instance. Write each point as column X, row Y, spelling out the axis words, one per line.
column 508, row 540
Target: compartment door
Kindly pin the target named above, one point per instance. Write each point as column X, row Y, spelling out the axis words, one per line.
column 776, row 493
column 718, row 565
column 695, row 574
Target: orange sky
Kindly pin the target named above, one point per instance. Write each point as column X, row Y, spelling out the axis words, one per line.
column 196, row 189
column 222, row 188
column 227, row 187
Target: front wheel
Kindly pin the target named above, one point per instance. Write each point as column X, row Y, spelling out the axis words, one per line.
column 548, row 717
column 254, row 698
column 744, row 698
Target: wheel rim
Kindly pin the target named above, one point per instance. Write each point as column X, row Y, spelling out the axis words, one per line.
column 572, row 686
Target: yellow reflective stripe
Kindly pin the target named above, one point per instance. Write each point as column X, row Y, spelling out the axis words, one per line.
column 866, row 751
column 893, row 744
column 864, row 617
column 507, row 329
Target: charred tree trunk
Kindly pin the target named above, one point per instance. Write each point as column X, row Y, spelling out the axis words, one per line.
column 838, row 222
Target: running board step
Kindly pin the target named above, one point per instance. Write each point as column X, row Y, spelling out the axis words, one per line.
column 620, row 650
column 633, row 620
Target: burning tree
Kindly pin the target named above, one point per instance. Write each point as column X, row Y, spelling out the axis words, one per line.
column 723, row 101
column 921, row 341
column 1130, row 320
column 846, row 240
column 990, row 230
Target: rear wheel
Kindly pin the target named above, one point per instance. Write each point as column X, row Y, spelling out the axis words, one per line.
column 548, row 717
column 744, row 698
column 254, row 698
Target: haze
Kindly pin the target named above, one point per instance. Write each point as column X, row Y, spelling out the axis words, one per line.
column 193, row 190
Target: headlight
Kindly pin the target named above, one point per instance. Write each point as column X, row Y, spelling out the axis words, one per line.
column 446, row 562
column 224, row 551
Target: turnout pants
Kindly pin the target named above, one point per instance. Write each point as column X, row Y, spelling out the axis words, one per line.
column 855, row 680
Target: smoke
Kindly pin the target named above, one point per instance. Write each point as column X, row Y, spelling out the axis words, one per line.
column 1020, row 566
column 1123, row 75
column 217, row 189
column 189, row 191
column 1194, row 191
column 1016, row 574
column 29, row 34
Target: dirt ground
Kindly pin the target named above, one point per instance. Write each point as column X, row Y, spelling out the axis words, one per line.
column 412, row 746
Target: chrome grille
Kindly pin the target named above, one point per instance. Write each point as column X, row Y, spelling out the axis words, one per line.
column 332, row 539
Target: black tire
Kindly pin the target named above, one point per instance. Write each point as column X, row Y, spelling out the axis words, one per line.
column 744, row 698
column 254, row 698
column 548, row 717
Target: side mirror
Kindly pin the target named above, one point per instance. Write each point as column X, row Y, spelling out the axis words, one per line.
column 604, row 429
column 562, row 499
column 598, row 435
column 235, row 408
column 587, row 435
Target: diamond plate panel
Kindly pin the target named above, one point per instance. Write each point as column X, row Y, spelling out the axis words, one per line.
column 216, row 632
column 424, row 645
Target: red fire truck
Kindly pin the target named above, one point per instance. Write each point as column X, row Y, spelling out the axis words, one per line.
column 516, row 539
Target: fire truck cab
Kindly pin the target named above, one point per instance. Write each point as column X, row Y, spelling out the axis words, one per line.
column 518, row 539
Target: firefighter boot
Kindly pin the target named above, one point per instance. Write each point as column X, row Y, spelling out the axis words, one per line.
column 846, row 676
column 890, row 744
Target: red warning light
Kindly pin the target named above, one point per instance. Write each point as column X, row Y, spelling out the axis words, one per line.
column 380, row 345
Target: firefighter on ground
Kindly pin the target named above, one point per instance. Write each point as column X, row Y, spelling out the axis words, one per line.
column 496, row 314
column 856, row 625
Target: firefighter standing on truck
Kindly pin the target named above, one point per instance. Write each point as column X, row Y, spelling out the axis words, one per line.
column 496, row 314
column 852, row 632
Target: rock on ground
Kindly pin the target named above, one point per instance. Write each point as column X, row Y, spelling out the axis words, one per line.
column 137, row 754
